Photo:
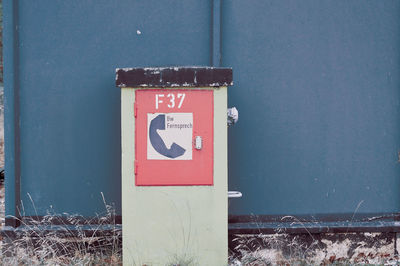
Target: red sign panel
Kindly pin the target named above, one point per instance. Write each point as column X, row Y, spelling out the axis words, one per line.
column 174, row 137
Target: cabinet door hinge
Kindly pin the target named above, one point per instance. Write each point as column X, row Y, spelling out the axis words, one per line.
column 135, row 109
column 136, row 167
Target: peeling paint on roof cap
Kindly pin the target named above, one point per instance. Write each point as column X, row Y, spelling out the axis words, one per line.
column 193, row 76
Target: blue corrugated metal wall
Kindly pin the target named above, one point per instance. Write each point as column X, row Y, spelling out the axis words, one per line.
column 318, row 88
column 316, row 84
column 65, row 57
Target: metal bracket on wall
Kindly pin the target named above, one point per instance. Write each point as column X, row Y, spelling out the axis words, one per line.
column 234, row 194
column 233, row 116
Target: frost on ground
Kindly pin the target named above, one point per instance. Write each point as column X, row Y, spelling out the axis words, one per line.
column 314, row 249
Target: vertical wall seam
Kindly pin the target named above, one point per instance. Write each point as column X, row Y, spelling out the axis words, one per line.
column 216, row 34
column 17, row 118
column 11, row 112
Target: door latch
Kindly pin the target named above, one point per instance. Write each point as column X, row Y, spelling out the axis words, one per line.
column 198, row 143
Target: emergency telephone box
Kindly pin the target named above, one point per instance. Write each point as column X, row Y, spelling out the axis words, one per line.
column 174, row 164
column 168, row 124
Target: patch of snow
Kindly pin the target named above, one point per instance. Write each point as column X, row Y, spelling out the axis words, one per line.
column 269, row 255
column 337, row 249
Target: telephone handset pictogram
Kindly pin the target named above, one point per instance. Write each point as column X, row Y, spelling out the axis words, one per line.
column 158, row 123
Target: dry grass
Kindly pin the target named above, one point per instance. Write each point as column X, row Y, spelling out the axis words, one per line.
column 70, row 240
